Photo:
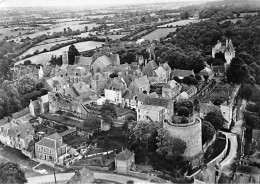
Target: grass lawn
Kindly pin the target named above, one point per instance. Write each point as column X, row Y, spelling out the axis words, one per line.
column 158, row 33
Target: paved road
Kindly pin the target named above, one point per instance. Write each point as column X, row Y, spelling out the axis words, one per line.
column 64, row 177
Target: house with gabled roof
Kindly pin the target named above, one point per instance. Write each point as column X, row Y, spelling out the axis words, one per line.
column 133, row 99
column 20, row 136
column 83, row 61
column 140, row 84
column 228, row 50
column 171, row 90
column 149, row 68
column 125, row 161
column 101, row 63
column 115, row 90
column 50, row 148
column 81, row 88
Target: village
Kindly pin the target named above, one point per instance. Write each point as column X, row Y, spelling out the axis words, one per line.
column 79, row 122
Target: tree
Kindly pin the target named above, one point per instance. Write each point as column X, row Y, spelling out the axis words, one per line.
column 216, row 119
column 11, row 173
column 113, row 75
column 187, row 80
column 184, row 15
column 72, row 53
column 186, row 103
column 86, row 28
column 183, row 111
column 108, row 112
column 208, row 131
column 246, row 91
column 237, row 72
column 27, row 62
column 146, row 55
column 106, row 145
column 169, row 147
column 92, row 121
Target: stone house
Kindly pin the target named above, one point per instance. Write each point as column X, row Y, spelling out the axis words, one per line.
column 98, row 83
column 101, row 63
column 133, row 100
column 115, row 91
column 50, row 148
column 246, row 175
column 171, row 90
column 83, row 61
column 44, row 71
column 20, row 136
column 125, row 161
column 140, row 84
column 150, row 113
column 227, row 113
column 167, row 104
column 149, row 68
column 4, row 130
column 41, row 105
column 228, row 50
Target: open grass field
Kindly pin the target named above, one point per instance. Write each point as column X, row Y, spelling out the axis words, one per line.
column 158, row 33
column 113, row 37
column 45, row 57
column 45, row 46
column 7, row 32
column 180, row 23
column 59, row 27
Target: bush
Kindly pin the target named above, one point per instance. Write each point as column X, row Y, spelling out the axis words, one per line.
column 183, row 111
column 208, row 131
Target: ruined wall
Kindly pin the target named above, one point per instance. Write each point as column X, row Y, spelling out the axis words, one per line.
column 189, row 133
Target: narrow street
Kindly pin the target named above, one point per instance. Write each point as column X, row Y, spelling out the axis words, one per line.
column 64, row 177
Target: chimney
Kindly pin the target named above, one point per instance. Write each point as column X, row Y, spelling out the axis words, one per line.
column 227, row 43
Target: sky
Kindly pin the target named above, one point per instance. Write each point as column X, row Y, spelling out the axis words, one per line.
column 35, row 3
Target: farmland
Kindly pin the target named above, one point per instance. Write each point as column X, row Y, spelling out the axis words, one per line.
column 113, row 37
column 44, row 46
column 8, row 32
column 180, row 23
column 158, row 33
column 232, row 20
column 44, row 57
column 59, row 27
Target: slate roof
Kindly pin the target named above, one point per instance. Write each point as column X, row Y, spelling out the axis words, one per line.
column 46, row 71
column 71, row 91
column 81, row 87
column 256, row 134
column 157, row 101
column 149, row 67
column 20, row 129
column 192, row 90
column 102, row 62
column 127, row 79
column 51, row 141
column 124, row 155
column 141, row 81
column 160, row 71
column 83, row 61
column 166, row 66
column 182, row 73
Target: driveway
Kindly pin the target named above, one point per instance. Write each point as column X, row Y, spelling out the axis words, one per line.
column 64, row 177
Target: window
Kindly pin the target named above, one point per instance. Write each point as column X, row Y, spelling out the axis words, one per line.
column 44, row 150
column 49, row 151
column 58, row 151
column 40, row 154
column 39, row 148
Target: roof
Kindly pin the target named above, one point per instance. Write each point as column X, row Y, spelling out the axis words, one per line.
column 256, row 134
column 166, row 66
column 182, row 73
column 46, row 71
column 192, row 90
column 83, row 61
column 114, row 58
column 248, row 170
column 127, row 79
column 157, row 101
column 183, row 95
column 52, row 141
column 102, row 62
column 71, row 92
column 141, row 81
column 21, row 130
column 160, row 71
column 81, row 87
column 124, row 155
column 206, row 72
column 149, row 67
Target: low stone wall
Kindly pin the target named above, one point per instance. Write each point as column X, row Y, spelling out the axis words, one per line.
column 94, row 168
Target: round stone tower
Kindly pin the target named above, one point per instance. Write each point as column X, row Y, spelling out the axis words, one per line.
column 190, row 133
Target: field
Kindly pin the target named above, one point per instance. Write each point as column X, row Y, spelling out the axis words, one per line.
column 158, row 33
column 139, row 33
column 45, row 46
column 45, row 57
column 232, row 20
column 113, row 37
column 59, row 27
column 180, row 23
column 8, row 32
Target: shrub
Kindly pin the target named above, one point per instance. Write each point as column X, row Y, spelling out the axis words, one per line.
column 183, row 111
